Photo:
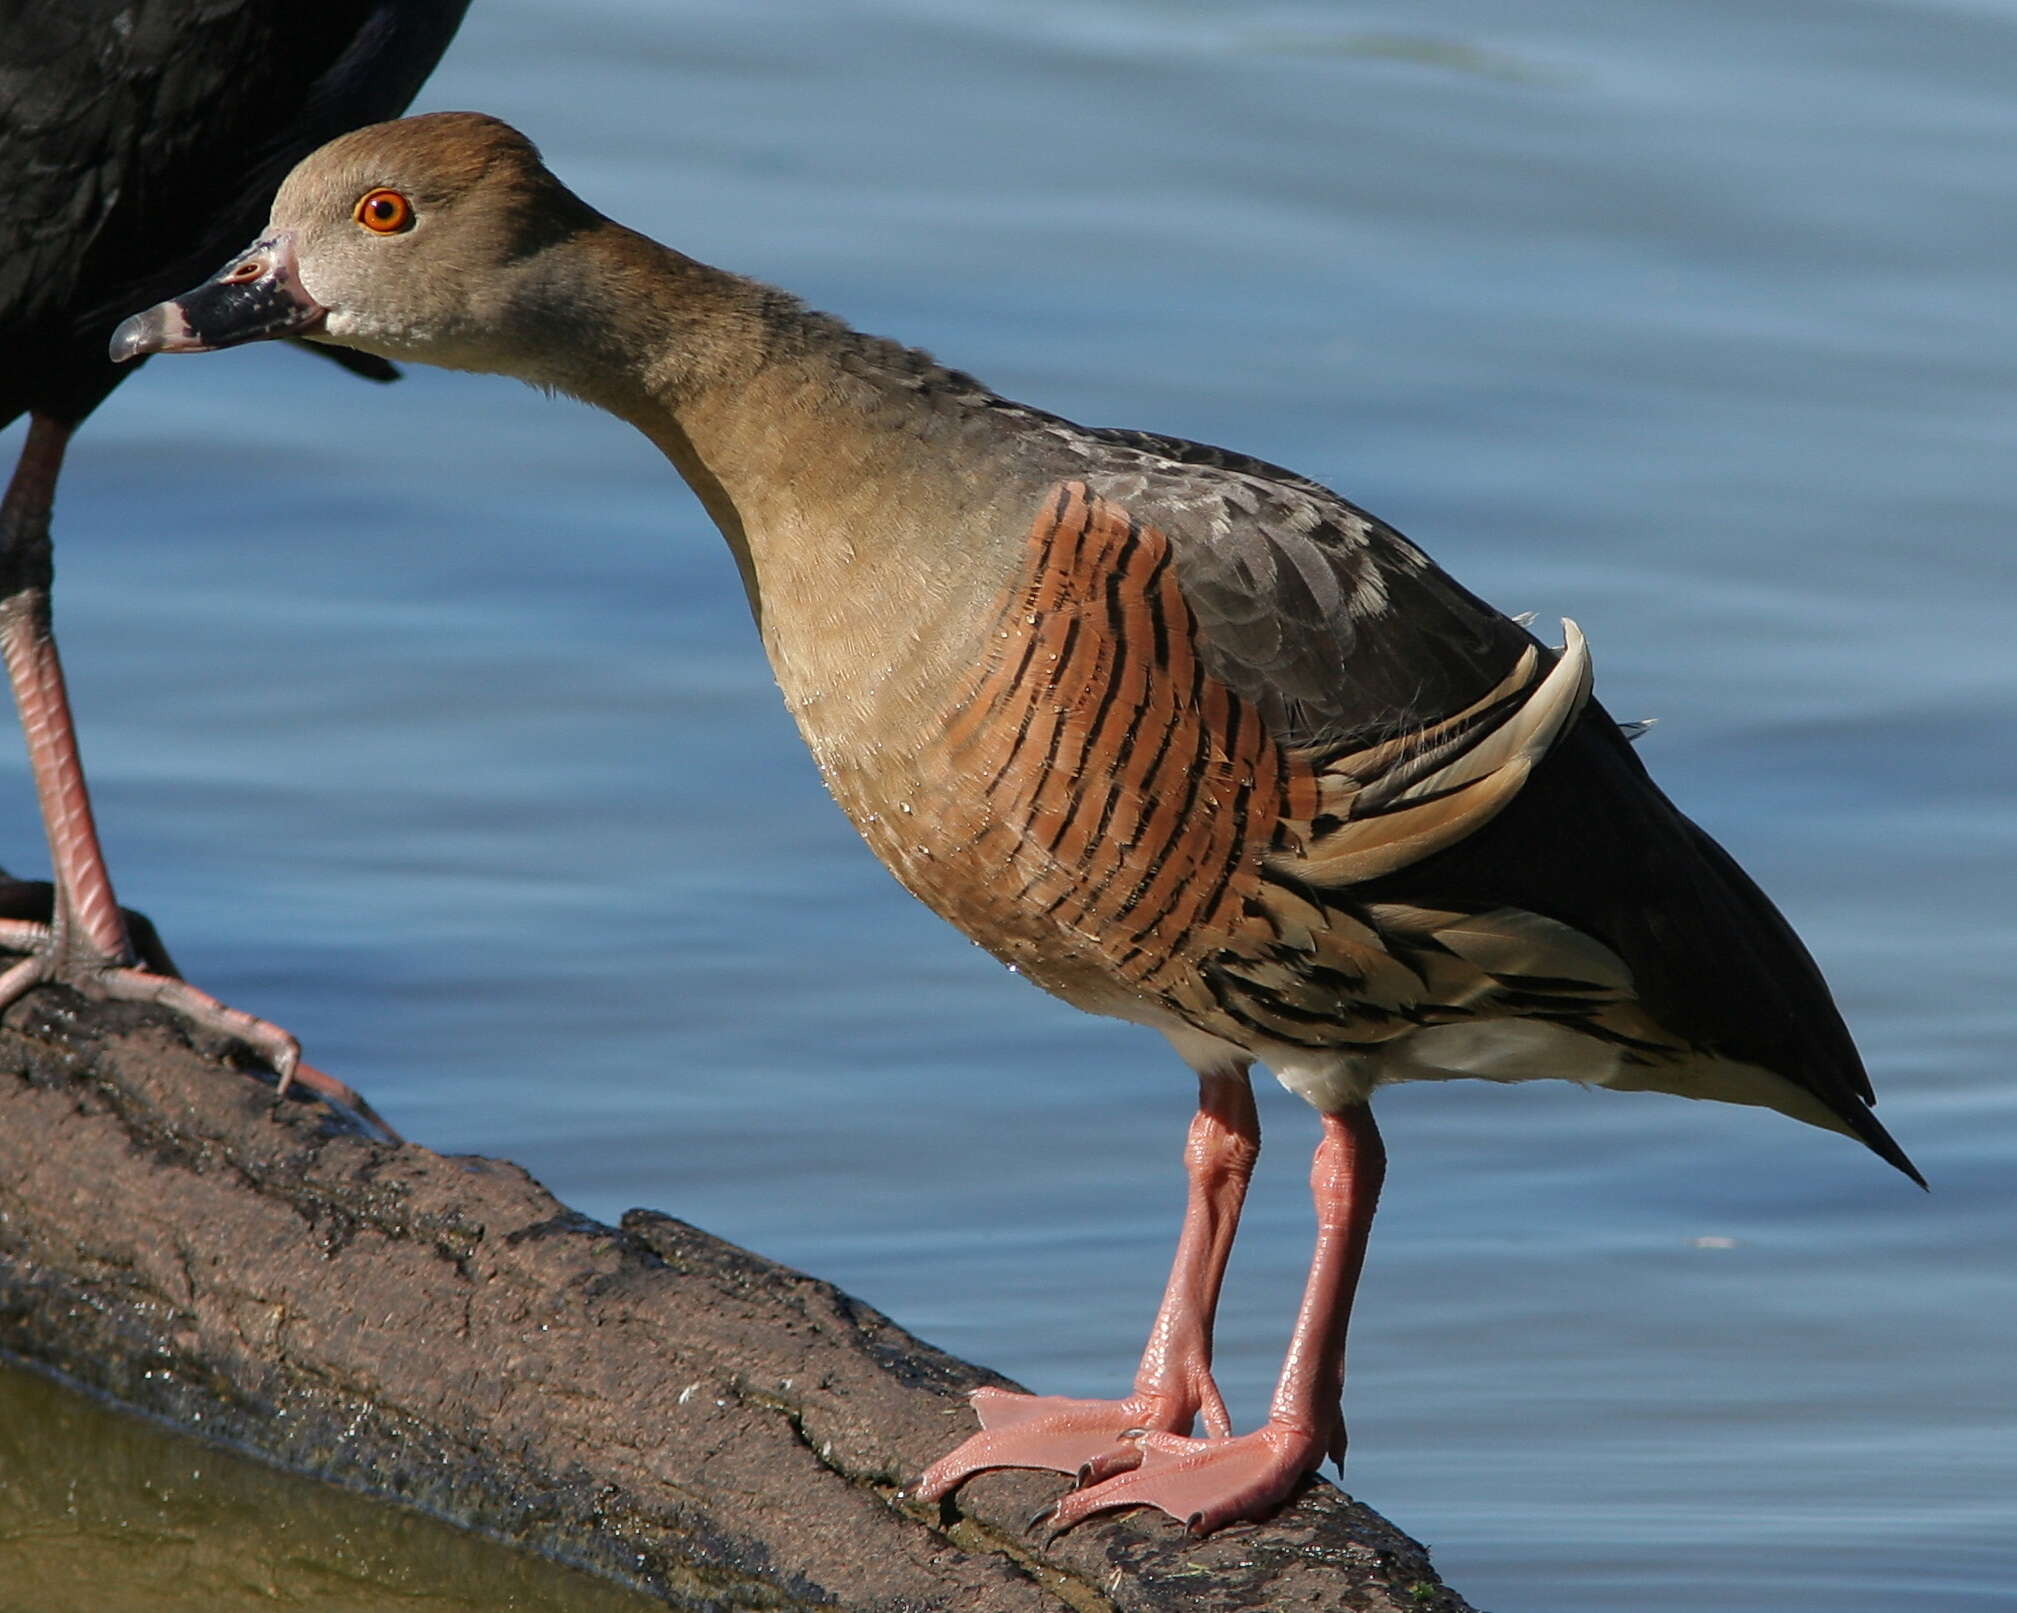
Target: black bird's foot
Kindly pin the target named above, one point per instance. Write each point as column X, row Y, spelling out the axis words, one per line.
column 26, row 906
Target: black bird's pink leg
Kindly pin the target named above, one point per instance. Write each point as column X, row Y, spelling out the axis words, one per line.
column 85, row 945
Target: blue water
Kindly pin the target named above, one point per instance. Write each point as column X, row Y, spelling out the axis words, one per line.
column 430, row 722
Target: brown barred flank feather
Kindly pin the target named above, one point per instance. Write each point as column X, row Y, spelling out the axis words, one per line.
column 1129, row 795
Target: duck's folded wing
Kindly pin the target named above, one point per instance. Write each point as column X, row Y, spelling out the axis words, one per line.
column 1463, row 768
column 1386, row 805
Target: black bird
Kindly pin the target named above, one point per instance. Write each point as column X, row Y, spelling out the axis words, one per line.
column 140, row 142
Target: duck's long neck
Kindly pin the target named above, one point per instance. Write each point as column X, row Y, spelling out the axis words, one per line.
column 859, row 493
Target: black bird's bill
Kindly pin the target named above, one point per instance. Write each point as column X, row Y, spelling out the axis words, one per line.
column 256, row 297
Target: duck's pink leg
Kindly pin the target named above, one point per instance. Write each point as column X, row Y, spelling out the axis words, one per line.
column 1173, row 1385
column 85, row 944
column 1207, row 1483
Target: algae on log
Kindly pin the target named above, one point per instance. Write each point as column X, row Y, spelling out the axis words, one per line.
column 645, row 1401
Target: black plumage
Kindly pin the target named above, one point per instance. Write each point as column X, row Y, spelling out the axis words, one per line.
column 140, row 144
column 141, row 141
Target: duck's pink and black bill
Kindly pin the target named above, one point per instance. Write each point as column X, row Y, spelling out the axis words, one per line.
column 255, row 297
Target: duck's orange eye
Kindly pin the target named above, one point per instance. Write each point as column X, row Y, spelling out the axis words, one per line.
column 384, row 211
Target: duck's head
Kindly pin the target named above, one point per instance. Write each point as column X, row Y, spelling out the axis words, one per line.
column 425, row 239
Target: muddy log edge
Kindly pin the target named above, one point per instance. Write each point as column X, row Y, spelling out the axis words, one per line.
column 643, row 1401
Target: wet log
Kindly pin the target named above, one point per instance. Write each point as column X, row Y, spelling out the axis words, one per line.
column 644, row 1401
